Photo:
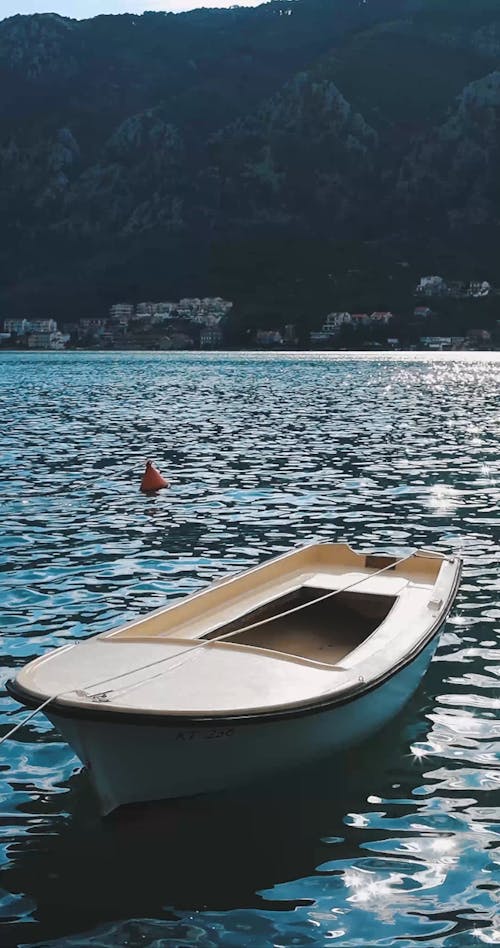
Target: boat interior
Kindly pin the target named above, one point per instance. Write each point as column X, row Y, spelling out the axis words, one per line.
column 250, row 610
column 324, row 630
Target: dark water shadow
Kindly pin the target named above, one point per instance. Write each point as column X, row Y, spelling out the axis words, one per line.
column 212, row 852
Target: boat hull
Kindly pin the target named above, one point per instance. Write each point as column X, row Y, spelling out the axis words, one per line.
column 132, row 762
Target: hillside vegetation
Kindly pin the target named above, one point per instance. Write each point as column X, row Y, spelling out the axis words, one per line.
column 290, row 156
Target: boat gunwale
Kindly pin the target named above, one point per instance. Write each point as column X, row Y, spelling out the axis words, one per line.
column 113, row 715
column 114, row 633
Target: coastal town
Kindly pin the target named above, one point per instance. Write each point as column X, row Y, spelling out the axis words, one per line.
column 204, row 323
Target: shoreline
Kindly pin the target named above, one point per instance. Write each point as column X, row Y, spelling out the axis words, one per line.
column 281, row 351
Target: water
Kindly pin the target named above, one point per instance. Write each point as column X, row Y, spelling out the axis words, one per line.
column 394, row 844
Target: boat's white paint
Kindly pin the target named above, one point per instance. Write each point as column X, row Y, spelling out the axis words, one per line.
column 154, row 713
column 136, row 763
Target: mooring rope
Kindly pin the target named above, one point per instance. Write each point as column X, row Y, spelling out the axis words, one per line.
column 185, row 653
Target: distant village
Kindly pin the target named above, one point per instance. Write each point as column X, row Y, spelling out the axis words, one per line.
column 336, row 323
column 186, row 324
column 194, row 323
column 432, row 289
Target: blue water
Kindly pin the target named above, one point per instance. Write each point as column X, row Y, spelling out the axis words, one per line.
column 395, row 843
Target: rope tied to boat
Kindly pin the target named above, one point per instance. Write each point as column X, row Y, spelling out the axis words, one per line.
column 102, row 697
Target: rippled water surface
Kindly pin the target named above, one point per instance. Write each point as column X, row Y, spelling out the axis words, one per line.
column 396, row 843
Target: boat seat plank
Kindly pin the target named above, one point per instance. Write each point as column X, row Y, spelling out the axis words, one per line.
column 379, row 585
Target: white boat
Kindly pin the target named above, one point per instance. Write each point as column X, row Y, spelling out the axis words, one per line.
column 287, row 662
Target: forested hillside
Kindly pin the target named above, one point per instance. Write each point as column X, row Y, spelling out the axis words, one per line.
column 291, row 157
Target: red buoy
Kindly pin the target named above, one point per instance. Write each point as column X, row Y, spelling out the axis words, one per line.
column 152, row 479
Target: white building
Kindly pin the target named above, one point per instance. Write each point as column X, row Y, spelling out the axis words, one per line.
column 47, row 340
column 216, row 305
column 151, row 309
column 334, row 321
column 436, row 342
column 432, row 286
column 380, row 318
column 188, row 306
column 477, row 289
column 43, row 325
column 165, row 310
column 330, row 328
column 19, row 326
column 203, row 311
column 121, row 313
column 145, row 309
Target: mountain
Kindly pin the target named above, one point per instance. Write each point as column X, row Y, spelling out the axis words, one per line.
column 266, row 154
